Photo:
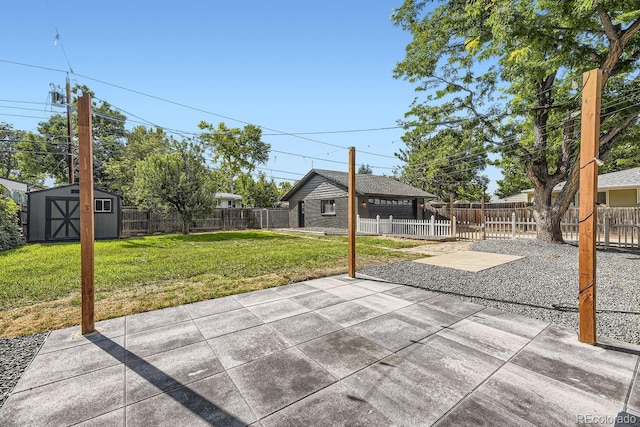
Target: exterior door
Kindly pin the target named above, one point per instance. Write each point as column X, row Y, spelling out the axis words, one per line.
column 300, row 214
column 62, row 218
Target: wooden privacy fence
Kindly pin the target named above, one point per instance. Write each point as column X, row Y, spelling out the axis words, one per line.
column 404, row 227
column 138, row 222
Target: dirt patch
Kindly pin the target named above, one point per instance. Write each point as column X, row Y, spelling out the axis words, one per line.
column 437, row 248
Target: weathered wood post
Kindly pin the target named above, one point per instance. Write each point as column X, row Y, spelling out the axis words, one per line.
column 85, row 155
column 589, row 149
column 351, row 217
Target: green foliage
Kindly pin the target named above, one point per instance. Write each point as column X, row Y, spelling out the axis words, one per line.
column 236, row 150
column 515, row 67
column 259, row 193
column 284, row 187
column 141, row 143
column 178, row 180
column 365, row 169
column 444, row 163
column 44, row 154
column 9, row 139
column 514, row 178
column 10, row 234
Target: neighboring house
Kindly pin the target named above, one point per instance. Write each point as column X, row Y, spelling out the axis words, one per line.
column 516, row 198
column 54, row 214
column 615, row 189
column 18, row 190
column 228, row 200
column 320, row 199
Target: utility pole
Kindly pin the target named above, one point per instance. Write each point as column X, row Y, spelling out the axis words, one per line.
column 70, row 136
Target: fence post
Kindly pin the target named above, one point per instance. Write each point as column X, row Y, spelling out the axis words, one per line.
column 484, row 228
column 453, row 226
column 390, row 224
column 432, row 226
column 377, row 224
column 357, row 222
column 149, row 221
column 267, row 218
column 607, row 228
column 513, row 225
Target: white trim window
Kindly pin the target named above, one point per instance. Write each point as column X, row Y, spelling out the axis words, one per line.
column 328, row 207
column 102, row 205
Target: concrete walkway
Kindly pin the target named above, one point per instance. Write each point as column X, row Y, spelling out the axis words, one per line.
column 327, row 352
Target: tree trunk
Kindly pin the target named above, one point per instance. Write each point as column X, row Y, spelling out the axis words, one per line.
column 546, row 216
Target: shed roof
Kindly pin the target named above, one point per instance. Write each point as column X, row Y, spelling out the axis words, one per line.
column 366, row 185
column 57, row 187
column 629, row 178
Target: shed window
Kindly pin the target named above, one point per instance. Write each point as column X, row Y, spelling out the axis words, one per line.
column 602, row 197
column 328, row 207
column 103, row 205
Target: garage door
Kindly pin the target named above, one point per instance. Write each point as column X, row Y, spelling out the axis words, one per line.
column 62, row 218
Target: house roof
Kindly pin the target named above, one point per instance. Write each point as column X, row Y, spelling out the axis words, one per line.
column 227, row 196
column 629, row 178
column 27, row 184
column 369, row 185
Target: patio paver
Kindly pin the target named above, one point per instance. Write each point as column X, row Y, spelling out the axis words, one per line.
column 326, row 352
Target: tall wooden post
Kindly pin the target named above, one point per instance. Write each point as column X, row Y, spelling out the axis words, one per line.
column 70, row 136
column 85, row 159
column 589, row 148
column 351, row 217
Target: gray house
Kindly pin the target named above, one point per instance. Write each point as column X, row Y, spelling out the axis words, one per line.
column 320, row 199
column 54, row 214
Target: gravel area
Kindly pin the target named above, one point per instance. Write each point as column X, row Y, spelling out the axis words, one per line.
column 543, row 285
column 15, row 355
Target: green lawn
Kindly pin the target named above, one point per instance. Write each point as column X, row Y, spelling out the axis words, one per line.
column 40, row 283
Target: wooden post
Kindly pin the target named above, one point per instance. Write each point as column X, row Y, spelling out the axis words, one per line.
column 589, row 148
column 451, row 214
column 482, row 219
column 351, row 217
column 85, row 158
column 70, row 136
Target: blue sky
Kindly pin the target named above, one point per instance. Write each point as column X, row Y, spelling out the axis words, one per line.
column 289, row 66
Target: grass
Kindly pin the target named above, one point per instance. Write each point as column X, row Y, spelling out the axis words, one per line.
column 40, row 283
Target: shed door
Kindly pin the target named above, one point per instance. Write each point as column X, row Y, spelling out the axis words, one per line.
column 62, row 218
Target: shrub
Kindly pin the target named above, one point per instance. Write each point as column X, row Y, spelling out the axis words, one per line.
column 10, row 233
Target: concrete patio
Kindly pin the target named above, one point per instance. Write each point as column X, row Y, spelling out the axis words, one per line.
column 328, row 352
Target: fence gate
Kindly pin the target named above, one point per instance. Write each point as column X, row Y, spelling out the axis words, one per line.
column 62, row 218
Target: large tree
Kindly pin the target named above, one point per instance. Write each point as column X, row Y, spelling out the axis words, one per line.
column 178, row 180
column 9, row 139
column 444, row 162
column 235, row 150
column 260, row 193
column 516, row 66
column 142, row 142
